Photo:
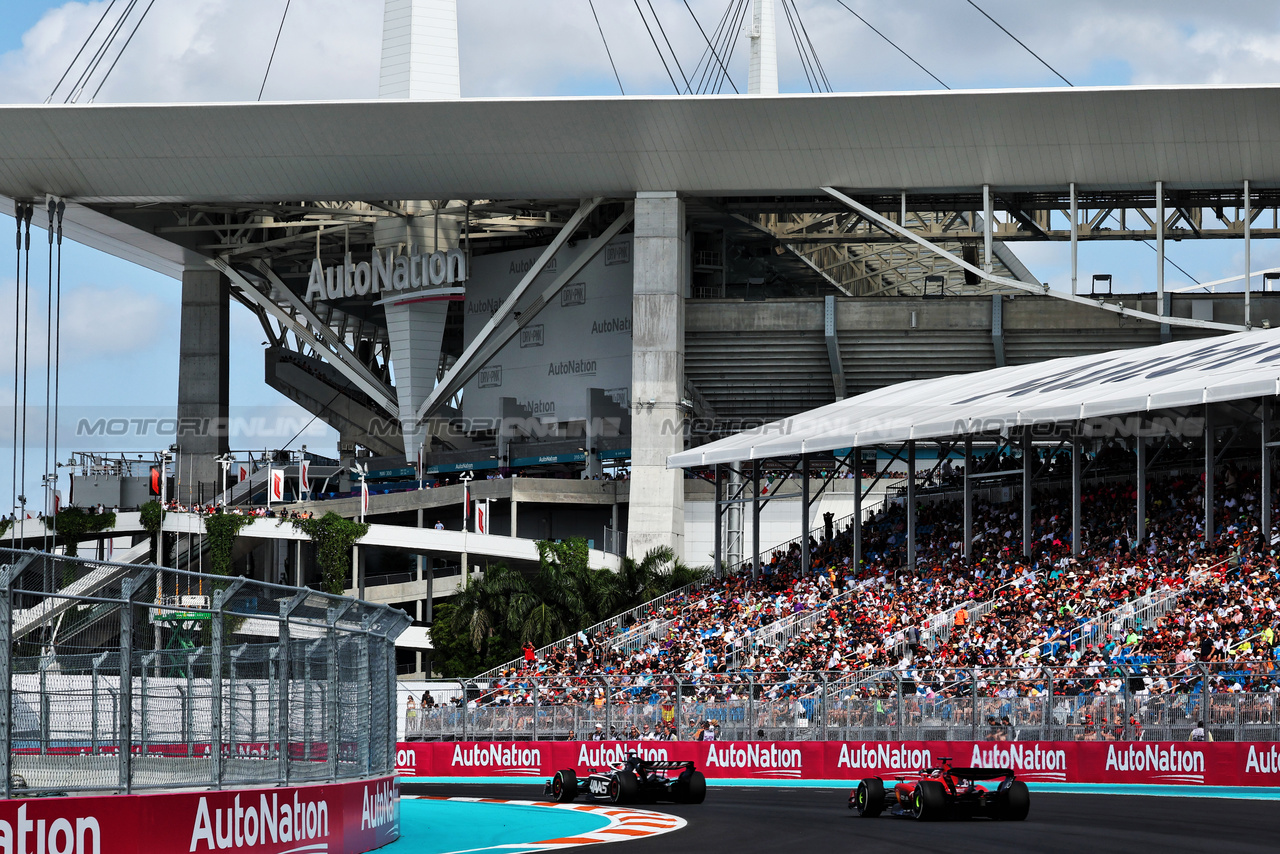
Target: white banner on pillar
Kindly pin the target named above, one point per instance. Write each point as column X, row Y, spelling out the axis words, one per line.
column 304, row 478
column 242, row 472
column 482, row 516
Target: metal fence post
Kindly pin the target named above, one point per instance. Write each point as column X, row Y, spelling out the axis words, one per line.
column 826, row 709
column 973, row 722
column 751, row 706
column 189, row 721
column 534, row 680
column 7, row 574
column 273, row 707
column 125, row 731
column 215, row 691
column 332, row 704
column 608, row 708
column 679, row 708
column 1052, row 704
column 45, row 661
column 144, row 717
column 463, row 686
column 282, row 713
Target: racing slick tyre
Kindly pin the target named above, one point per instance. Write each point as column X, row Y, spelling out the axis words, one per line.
column 693, row 790
column 1015, row 802
column 564, row 786
column 624, row 788
column 868, row 800
column 929, row 802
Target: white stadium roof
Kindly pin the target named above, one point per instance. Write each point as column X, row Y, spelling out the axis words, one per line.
column 1100, row 138
column 1168, row 376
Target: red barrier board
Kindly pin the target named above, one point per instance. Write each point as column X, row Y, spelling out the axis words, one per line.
column 1144, row 762
column 338, row 818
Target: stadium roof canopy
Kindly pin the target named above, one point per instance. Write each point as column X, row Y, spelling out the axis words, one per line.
column 561, row 148
column 1168, row 376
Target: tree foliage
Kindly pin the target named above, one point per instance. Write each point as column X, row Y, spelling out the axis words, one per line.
column 151, row 515
column 334, row 538
column 72, row 523
column 488, row 622
column 222, row 530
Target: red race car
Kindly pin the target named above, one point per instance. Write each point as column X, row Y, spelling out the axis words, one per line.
column 945, row 792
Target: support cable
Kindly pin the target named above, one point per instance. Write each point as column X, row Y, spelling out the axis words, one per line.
column 76, row 58
column 813, row 52
column 275, row 45
column 48, row 376
column 1020, row 41
column 674, row 57
column 645, row 21
column 57, row 353
column 712, row 50
column 123, row 48
column 704, row 73
column 730, row 42
column 19, row 214
column 795, row 37
column 26, row 327
column 608, row 52
column 96, row 59
column 893, row 45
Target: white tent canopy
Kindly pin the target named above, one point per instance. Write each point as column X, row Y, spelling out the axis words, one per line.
column 1169, row 376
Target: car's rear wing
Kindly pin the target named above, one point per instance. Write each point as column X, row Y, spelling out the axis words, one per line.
column 667, row 765
column 981, row 773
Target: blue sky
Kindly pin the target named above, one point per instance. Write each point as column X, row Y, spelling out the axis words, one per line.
column 121, row 321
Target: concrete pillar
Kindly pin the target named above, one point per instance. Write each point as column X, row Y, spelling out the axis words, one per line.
column 968, row 499
column 1141, row 508
column 202, row 377
column 911, row 506
column 804, row 514
column 1209, row 453
column 657, row 374
column 856, row 454
column 1028, row 462
column 515, row 516
column 420, row 50
column 1076, row 452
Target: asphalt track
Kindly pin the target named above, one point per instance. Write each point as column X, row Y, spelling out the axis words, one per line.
column 745, row 820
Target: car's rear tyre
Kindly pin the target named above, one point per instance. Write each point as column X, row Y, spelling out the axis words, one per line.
column 695, row 789
column 564, row 786
column 624, row 788
column 929, row 801
column 868, row 800
column 1015, row 802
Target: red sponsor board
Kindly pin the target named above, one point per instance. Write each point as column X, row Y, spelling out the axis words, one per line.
column 1135, row 762
column 339, row 818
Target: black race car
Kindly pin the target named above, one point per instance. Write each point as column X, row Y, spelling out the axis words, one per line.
column 945, row 792
column 635, row 781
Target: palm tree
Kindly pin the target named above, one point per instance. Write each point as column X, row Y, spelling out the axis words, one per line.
column 482, row 609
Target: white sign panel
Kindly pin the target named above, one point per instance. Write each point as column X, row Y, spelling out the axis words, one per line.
column 581, row 339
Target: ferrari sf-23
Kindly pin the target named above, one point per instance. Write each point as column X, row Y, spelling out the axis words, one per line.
column 635, row 781
column 945, row 792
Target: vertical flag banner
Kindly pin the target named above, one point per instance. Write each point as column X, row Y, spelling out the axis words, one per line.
column 304, row 478
column 276, row 492
column 482, row 516
column 466, row 505
column 242, row 472
column 364, row 499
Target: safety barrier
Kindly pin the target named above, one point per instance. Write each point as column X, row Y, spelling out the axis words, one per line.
column 1169, row 763
column 335, row 818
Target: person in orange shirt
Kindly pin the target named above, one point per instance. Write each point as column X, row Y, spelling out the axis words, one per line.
column 962, row 618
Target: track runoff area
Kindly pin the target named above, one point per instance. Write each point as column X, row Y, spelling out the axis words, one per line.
column 750, row 819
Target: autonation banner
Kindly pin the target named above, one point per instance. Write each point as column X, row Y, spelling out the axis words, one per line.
column 1137, row 762
column 341, row 818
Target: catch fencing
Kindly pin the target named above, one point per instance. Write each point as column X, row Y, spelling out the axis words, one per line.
column 125, row 678
column 1133, row 700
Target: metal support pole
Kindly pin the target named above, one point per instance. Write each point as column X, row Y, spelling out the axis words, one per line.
column 1027, row 466
column 679, row 708
column 804, row 514
column 911, row 506
column 968, row 500
column 536, row 704
column 857, row 511
column 1076, row 452
column 1264, row 525
column 608, row 709
column 718, row 550
column 1160, row 248
column 1075, row 241
column 755, row 519
column 282, row 696
column 1248, row 234
column 973, row 723
column 825, row 707
column 1141, row 504
column 986, row 228
column 1208, row 477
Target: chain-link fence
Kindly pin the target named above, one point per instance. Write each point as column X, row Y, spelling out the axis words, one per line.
column 1133, row 700
column 123, row 678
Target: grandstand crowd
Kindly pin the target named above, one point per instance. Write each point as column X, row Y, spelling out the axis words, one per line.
column 1121, row 616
